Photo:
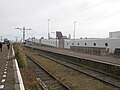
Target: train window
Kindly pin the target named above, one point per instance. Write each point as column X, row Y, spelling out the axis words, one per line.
column 94, row 44
column 85, row 44
column 78, row 43
column 106, row 44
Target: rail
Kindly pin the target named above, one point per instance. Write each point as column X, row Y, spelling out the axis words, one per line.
column 44, row 77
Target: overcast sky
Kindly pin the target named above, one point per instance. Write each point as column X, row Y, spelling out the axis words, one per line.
column 95, row 18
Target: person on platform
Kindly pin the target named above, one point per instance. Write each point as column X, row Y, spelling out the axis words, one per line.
column 1, row 46
column 8, row 45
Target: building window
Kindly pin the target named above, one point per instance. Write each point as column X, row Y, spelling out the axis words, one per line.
column 85, row 44
column 94, row 44
column 67, row 43
column 106, row 44
column 78, row 43
column 72, row 43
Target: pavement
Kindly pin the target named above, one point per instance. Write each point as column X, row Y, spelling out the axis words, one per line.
column 109, row 59
column 6, row 70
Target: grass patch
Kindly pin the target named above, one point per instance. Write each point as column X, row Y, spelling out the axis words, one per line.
column 29, row 79
column 20, row 55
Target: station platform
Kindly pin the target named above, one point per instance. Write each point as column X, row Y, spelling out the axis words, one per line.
column 6, row 70
column 10, row 77
column 109, row 59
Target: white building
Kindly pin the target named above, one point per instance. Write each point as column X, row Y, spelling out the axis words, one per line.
column 114, row 34
column 102, row 43
column 112, row 42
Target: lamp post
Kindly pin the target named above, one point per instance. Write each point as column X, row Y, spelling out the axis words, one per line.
column 74, row 32
column 48, row 29
column 23, row 30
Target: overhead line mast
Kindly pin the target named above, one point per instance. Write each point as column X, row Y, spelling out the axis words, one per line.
column 23, row 30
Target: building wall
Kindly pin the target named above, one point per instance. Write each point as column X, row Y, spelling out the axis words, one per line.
column 61, row 43
column 101, row 43
column 86, row 42
column 50, row 42
column 112, row 43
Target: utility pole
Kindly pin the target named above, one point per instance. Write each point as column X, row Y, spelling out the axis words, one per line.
column 74, row 32
column 56, row 38
column 23, row 30
column 48, row 29
column 23, row 34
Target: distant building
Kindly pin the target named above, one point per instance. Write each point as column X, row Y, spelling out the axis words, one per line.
column 114, row 34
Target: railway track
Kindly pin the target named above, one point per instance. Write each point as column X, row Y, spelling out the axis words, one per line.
column 45, row 79
column 104, row 77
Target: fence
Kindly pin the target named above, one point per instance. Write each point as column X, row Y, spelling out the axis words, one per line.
column 89, row 50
